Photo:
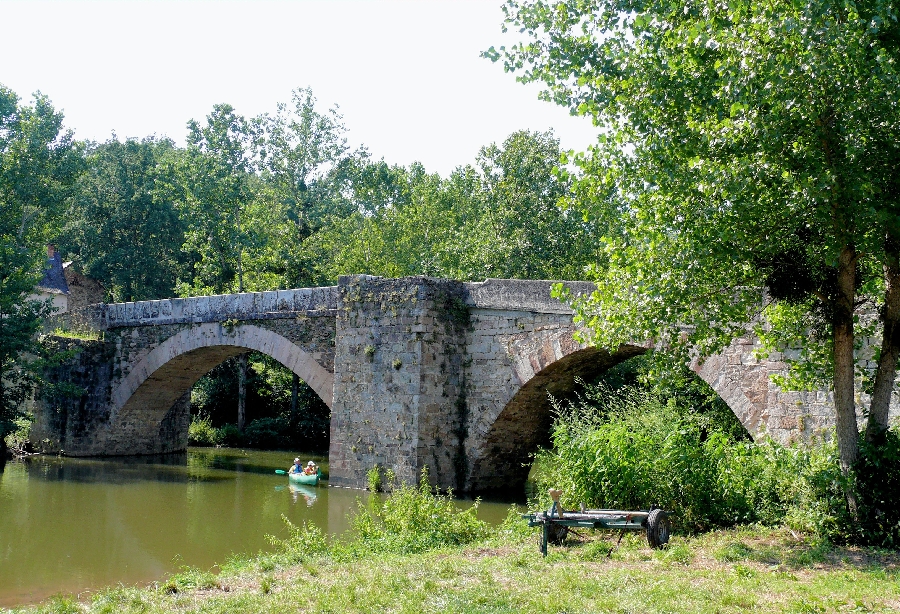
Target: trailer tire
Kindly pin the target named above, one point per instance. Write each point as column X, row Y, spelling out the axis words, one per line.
column 557, row 533
column 658, row 528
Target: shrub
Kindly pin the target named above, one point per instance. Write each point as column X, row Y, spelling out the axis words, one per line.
column 202, row 433
column 626, row 449
column 229, row 435
column 268, row 433
column 304, row 542
column 633, row 452
column 877, row 473
column 373, row 479
column 414, row 519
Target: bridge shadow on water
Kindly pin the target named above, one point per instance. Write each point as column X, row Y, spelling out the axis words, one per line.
column 173, row 468
column 197, row 465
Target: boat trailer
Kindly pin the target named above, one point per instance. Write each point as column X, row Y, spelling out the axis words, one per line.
column 556, row 522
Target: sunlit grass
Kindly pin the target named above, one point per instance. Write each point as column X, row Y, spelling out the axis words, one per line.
column 82, row 334
column 743, row 570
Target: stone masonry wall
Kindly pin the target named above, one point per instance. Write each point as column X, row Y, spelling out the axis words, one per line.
column 398, row 380
column 135, row 399
column 745, row 383
column 73, row 406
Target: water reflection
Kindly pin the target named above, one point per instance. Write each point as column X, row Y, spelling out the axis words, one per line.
column 122, row 470
column 300, row 492
column 69, row 524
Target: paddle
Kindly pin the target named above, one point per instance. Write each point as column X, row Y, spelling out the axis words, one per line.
column 281, row 472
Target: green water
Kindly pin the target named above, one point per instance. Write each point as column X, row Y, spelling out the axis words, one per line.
column 70, row 525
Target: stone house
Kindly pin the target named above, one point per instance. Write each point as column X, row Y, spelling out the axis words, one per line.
column 53, row 285
column 67, row 288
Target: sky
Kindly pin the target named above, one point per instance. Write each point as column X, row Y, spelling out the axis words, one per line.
column 406, row 75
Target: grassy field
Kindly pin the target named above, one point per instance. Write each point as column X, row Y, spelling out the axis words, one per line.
column 744, row 570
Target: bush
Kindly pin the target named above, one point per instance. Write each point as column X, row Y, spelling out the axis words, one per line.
column 626, row 449
column 414, row 519
column 202, row 433
column 304, row 542
column 230, row 436
column 877, row 473
column 267, row 433
column 633, row 452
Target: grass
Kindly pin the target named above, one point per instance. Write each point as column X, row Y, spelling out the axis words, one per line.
column 81, row 334
column 742, row 570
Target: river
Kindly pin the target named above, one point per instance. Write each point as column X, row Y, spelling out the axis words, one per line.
column 70, row 525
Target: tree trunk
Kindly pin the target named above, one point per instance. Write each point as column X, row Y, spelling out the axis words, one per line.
column 890, row 344
column 295, row 386
column 844, row 363
column 242, row 392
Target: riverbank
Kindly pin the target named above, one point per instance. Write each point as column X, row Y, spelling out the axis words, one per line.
column 748, row 569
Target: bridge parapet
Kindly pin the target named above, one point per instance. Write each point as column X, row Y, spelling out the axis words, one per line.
column 522, row 295
column 219, row 308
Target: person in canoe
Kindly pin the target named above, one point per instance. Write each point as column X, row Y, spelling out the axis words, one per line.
column 311, row 468
column 296, row 467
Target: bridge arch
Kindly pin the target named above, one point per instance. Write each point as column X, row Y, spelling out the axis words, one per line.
column 501, row 460
column 161, row 377
column 549, row 364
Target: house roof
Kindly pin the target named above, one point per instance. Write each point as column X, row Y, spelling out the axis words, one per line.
column 54, row 280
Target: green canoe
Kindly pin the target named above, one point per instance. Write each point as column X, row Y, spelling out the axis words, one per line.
column 302, row 478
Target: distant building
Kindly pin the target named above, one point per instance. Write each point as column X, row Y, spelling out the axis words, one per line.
column 68, row 288
column 53, row 285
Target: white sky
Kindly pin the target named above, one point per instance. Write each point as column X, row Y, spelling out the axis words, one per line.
column 406, row 74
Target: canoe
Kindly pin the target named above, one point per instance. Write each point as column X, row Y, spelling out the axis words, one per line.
column 302, row 478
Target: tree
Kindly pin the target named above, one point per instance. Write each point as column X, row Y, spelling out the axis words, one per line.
column 527, row 233
column 213, row 175
column 744, row 144
column 38, row 163
column 499, row 219
column 124, row 228
column 212, row 186
column 302, row 157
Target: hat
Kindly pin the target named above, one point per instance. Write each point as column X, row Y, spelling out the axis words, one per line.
column 310, row 464
column 296, row 460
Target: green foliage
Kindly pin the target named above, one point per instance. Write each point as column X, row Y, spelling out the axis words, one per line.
column 625, row 449
column 276, row 418
column 202, row 433
column 670, row 381
column 213, row 192
column 374, row 479
column 268, row 433
column 74, row 333
column 877, row 474
column 123, row 227
column 415, row 519
column 303, row 542
column 19, row 438
column 743, row 145
column 189, row 578
column 38, row 165
column 498, row 219
column 229, row 435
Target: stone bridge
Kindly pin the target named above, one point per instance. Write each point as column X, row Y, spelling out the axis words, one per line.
column 417, row 371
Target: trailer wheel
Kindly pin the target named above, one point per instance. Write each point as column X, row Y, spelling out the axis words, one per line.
column 557, row 533
column 658, row 528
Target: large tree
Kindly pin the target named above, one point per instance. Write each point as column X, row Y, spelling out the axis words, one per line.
column 123, row 225
column 498, row 219
column 213, row 189
column 303, row 161
column 746, row 144
column 38, row 164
